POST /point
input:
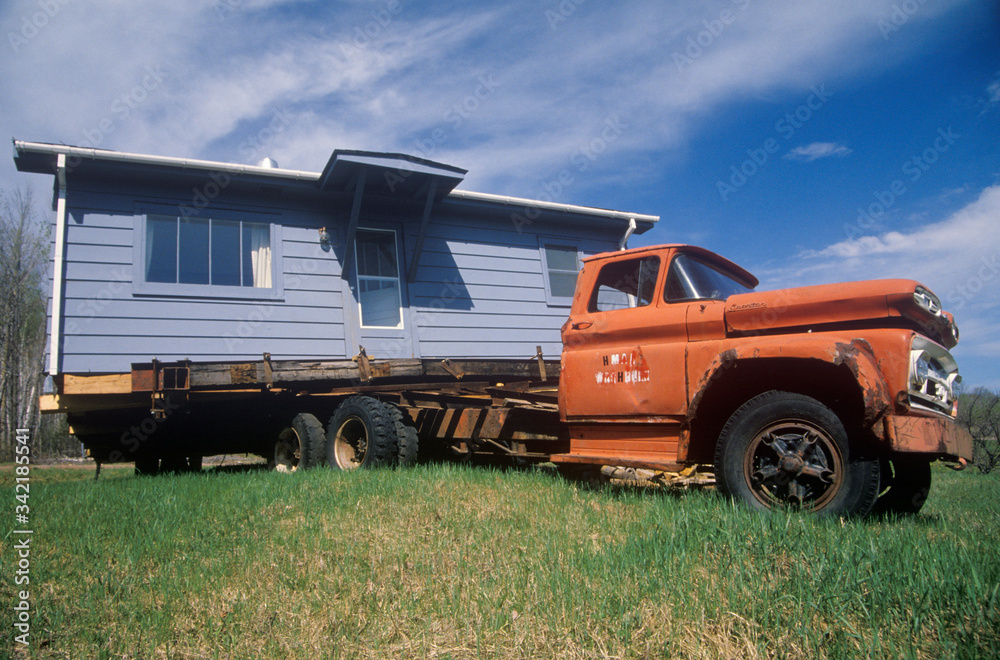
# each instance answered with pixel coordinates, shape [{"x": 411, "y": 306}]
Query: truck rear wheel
[
  {"x": 362, "y": 433},
  {"x": 785, "y": 449},
  {"x": 406, "y": 436},
  {"x": 299, "y": 446},
  {"x": 909, "y": 482}
]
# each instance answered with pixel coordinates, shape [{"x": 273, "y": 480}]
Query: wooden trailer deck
[{"x": 497, "y": 406}]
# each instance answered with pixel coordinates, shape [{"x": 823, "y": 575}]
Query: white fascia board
[
  {"x": 146, "y": 159},
  {"x": 551, "y": 206}
]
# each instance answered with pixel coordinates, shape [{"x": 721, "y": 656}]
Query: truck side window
[{"x": 625, "y": 284}]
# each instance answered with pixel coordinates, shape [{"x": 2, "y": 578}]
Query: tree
[
  {"x": 23, "y": 255},
  {"x": 979, "y": 414}
]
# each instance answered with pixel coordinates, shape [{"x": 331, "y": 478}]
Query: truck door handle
[{"x": 582, "y": 325}]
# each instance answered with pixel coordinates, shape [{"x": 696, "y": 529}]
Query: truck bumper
[{"x": 929, "y": 435}]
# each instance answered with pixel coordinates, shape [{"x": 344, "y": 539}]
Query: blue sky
[{"x": 808, "y": 141}]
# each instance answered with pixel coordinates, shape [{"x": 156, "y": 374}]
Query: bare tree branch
[{"x": 979, "y": 414}]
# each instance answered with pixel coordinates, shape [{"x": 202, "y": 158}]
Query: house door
[{"x": 380, "y": 296}]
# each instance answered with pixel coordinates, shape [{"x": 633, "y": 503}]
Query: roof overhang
[
  {"x": 399, "y": 175},
  {"x": 41, "y": 158},
  {"x": 389, "y": 174}
]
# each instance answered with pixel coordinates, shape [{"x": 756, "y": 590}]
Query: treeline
[
  {"x": 979, "y": 413},
  {"x": 24, "y": 252}
]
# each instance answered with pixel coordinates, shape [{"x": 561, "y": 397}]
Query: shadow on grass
[{"x": 237, "y": 468}]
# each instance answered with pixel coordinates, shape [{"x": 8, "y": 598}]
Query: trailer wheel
[
  {"x": 406, "y": 436},
  {"x": 785, "y": 449},
  {"x": 909, "y": 482},
  {"x": 362, "y": 433},
  {"x": 299, "y": 446}
]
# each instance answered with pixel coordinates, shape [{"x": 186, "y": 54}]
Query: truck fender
[{"x": 856, "y": 355}]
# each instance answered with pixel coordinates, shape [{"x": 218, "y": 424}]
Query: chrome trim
[{"x": 934, "y": 380}]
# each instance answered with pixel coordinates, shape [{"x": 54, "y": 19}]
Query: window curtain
[
  {"x": 149, "y": 248},
  {"x": 260, "y": 255}
]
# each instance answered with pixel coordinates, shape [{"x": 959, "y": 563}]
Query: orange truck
[{"x": 833, "y": 399}]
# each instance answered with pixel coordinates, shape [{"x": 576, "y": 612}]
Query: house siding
[
  {"x": 107, "y": 326},
  {"x": 479, "y": 290}
]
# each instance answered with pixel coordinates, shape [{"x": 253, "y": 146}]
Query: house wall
[{"x": 479, "y": 290}]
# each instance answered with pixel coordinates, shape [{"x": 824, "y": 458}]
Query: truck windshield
[{"x": 691, "y": 279}]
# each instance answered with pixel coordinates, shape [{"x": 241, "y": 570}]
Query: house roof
[
  {"x": 389, "y": 174},
  {"x": 385, "y": 173}
]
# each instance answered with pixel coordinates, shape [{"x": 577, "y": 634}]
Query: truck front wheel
[
  {"x": 786, "y": 449},
  {"x": 362, "y": 433}
]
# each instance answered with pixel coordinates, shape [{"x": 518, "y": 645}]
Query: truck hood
[{"x": 854, "y": 303}]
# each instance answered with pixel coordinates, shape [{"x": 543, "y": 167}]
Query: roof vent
[{"x": 268, "y": 162}]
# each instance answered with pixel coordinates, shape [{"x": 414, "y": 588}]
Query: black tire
[
  {"x": 362, "y": 434},
  {"x": 300, "y": 446},
  {"x": 406, "y": 436},
  {"x": 906, "y": 483},
  {"x": 784, "y": 449}
]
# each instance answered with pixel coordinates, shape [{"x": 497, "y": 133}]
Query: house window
[
  {"x": 379, "y": 291},
  {"x": 207, "y": 251},
  {"x": 561, "y": 264}
]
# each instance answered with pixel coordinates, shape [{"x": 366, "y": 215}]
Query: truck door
[{"x": 623, "y": 353}]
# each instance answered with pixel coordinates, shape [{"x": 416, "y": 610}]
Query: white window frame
[
  {"x": 140, "y": 287},
  {"x": 358, "y": 277},
  {"x": 544, "y": 242}
]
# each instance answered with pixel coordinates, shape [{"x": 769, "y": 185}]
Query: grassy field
[{"x": 443, "y": 561}]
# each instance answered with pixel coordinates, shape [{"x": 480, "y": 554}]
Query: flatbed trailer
[{"x": 178, "y": 412}]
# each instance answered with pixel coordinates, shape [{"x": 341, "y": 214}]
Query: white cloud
[
  {"x": 992, "y": 100},
  {"x": 816, "y": 150},
  {"x": 345, "y": 76}
]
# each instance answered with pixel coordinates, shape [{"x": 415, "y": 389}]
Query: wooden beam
[
  {"x": 352, "y": 228},
  {"x": 97, "y": 384},
  {"x": 411, "y": 274},
  {"x": 55, "y": 403}
]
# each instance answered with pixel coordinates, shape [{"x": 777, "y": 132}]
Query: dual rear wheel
[{"x": 363, "y": 432}]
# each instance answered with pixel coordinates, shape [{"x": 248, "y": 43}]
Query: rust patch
[
  {"x": 719, "y": 366},
  {"x": 242, "y": 374},
  {"x": 859, "y": 357},
  {"x": 931, "y": 435}
]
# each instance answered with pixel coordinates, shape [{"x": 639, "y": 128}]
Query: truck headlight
[
  {"x": 921, "y": 369},
  {"x": 934, "y": 379}
]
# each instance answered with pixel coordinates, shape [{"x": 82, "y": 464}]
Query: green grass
[{"x": 452, "y": 562}]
